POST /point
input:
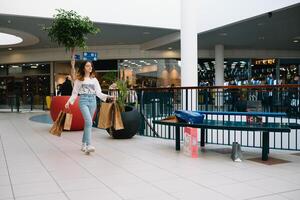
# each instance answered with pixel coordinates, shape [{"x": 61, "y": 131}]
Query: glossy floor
[{"x": 35, "y": 165}]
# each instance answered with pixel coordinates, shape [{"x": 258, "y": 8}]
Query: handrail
[{"x": 224, "y": 87}]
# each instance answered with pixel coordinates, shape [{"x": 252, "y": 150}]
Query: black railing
[
  {"x": 157, "y": 103},
  {"x": 17, "y": 103}
]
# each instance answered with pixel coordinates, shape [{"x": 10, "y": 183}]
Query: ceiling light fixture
[
  {"x": 170, "y": 48},
  {"x": 9, "y": 39},
  {"x": 295, "y": 41},
  {"x": 10, "y": 49}
]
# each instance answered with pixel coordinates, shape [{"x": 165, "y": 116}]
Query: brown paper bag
[
  {"x": 118, "y": 124},
  {"x": 68, "y": 121},
  {"x": 57, "y": 126},
  {"x": 105, "y": 117}
]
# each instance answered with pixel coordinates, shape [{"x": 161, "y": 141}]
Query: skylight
[{"x": 8, "y": 39}]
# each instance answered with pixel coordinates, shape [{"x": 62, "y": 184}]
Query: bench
[{"x": 265, "y": 127}]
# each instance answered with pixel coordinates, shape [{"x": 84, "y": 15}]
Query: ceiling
[
  {"x": 111, "y": 34},
  {"x": 274, "y": 31}
]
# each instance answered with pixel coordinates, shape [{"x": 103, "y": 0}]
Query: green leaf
[{"x": 69, "y": 29}]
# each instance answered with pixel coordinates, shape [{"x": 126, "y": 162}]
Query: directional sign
[{"x": 90, "y": 56}]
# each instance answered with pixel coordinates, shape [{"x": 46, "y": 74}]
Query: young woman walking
[{"x": 87, "y": 86}]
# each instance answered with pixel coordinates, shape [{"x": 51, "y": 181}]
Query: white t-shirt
[{"x": 88, "y": 86}]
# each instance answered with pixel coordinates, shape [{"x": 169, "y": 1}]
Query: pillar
[
  {"x": 189, "y": 52},
  {"x": 219, "y": 73}
]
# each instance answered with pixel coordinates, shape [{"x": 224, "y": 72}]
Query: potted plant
[
  {"x": 70, "y": 30},
  {"x": 129, "y": 114}
]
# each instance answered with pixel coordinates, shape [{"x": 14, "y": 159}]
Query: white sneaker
[
  {"x": 89, "y": 149},
  {"x": 83, "y": 147}
]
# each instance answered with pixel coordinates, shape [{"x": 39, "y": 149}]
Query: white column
[
  {"x": 219, "y": 73},
  {"x": 189, "y": 51},
  {"x": 219, "y": 68}
]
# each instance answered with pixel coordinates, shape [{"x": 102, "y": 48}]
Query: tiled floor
[{"x": 35, "y": 165}]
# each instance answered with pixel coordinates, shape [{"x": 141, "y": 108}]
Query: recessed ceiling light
[
  {"x": 10, "y": 49},
  {"x": 223, "y": 34},
  {"x": 295, "y": 41},
  {"x": 261, "y": 38},
  {"x": 9, "y": 21},
  {"x": 169, "y": 48}
]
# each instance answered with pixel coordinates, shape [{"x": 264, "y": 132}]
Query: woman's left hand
[{"x": 113, "y": 98}]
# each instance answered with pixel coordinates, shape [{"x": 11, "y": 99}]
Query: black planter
[{"x": 131, "y": 122}]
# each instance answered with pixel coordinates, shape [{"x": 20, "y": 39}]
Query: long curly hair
[{"x": 81, "y": 72}]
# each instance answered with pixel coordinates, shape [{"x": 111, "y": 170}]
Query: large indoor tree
[{"x": 70, "y": 30}]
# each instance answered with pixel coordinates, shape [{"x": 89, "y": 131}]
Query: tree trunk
[{"x": 73, "y": 71}]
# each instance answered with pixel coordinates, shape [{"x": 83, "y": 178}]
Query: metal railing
[
  {"x": 17, "y": 103},
  {"x": 158, "y": 103}
]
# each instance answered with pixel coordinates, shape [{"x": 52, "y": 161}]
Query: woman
[{"x": 88, "y": 87}]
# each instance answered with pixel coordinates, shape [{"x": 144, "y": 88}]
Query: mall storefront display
[
  {"x": 23, "y": 86},
  {"x": 141, "y": 73},
  {"x": 250, "y": 71}
]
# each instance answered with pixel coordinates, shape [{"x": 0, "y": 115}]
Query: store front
[
  {"x": 24, "y": 85},
  {"x": 151, "y": 72},
  {"x": 250, "y": 71}
]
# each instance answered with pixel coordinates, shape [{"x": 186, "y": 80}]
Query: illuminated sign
[
  {"x": 265, "y": 62},
  {"x": 91, "y": 56}
]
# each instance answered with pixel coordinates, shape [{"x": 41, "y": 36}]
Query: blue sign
[
  {"x": 90, "y": 56},
  {"x": 77, "y": 57}
]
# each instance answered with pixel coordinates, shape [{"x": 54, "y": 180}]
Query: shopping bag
[
  {"x": 57, "y": 126},
  {"x": 105, "y": 117},
  {"x": 254, "y": 105},
  {"x": 117, "y": 121},
  {"x": 236, "y": 154},
  {"x": 190, "y": 145},
  {"x": 68, "y": 121}
]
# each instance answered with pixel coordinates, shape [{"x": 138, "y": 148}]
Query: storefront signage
[
  {"x": 90, "y": 56},
  {"x": 265, "y": 62}
]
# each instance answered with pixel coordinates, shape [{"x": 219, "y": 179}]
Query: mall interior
[{"x": 208, "y": 56}]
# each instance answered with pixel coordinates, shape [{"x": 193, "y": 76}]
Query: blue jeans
[{"x": 87, "y": 105}]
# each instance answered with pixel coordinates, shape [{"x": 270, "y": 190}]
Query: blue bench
[{"x": 265, "y": 127}]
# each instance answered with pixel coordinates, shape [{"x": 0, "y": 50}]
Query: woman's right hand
[{"x": 67, "y": 106}]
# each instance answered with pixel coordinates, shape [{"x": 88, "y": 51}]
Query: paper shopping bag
[
  {"x": 118, "y": 124},
  {"x": 190, "y": 145},
  {"x": 57, "y": 126},
  {"x": 68, "y": 121},
  {"x": 105, "y": 117}
]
